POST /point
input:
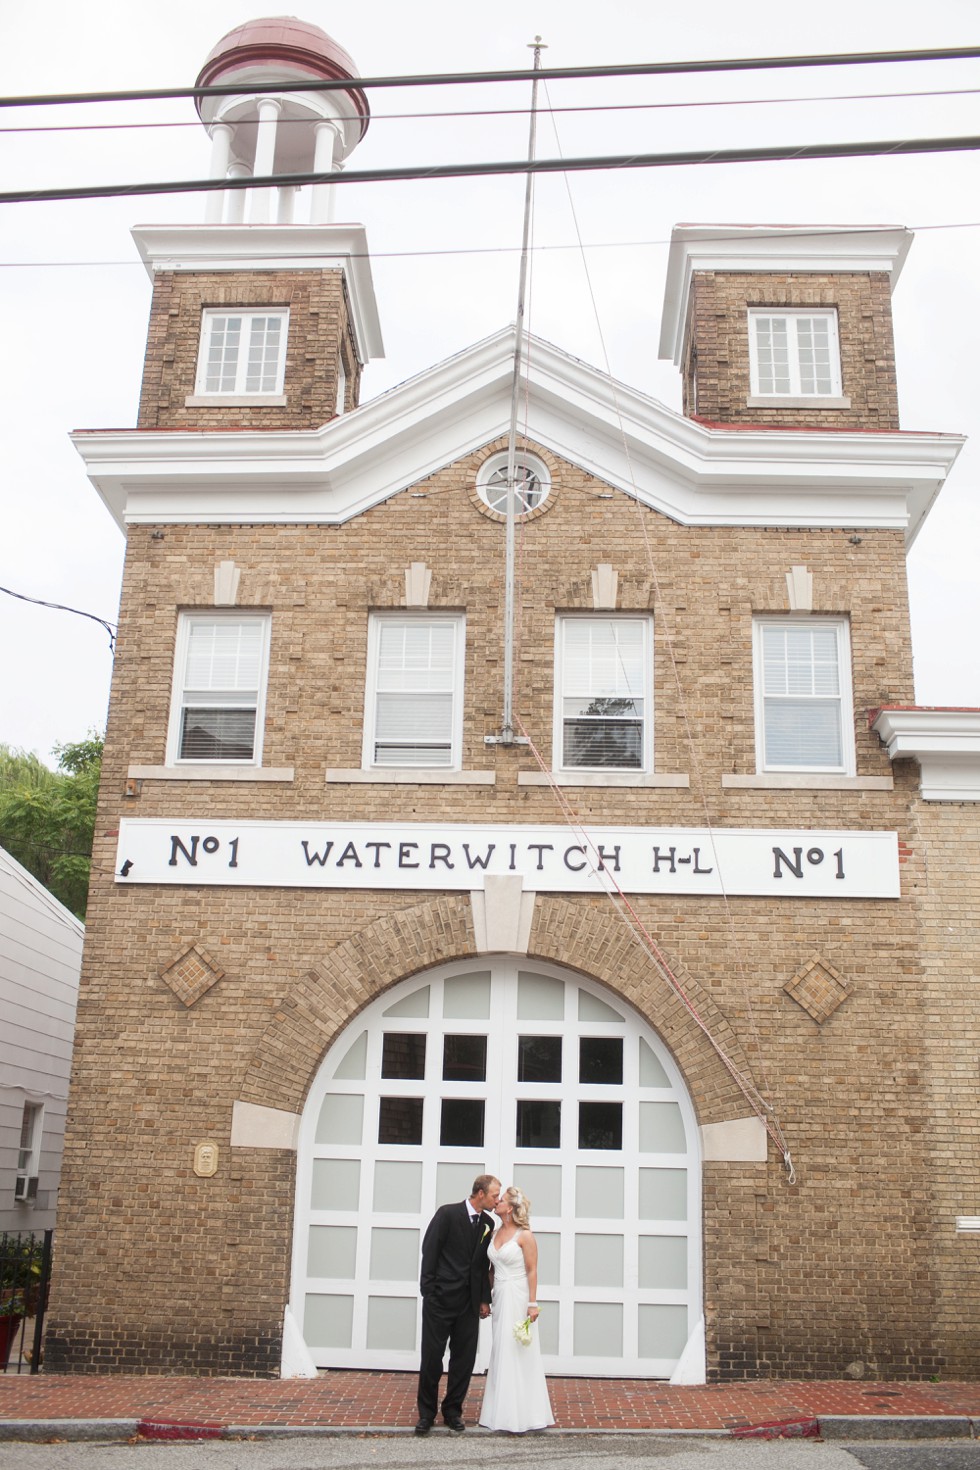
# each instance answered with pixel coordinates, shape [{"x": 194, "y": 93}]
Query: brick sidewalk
[{"x": 342, "y": 1399}]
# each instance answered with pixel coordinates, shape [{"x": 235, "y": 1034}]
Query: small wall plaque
[{"x": 206, "y": 1159}]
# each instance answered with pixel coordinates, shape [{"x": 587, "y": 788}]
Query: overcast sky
[{"x": 75, "y": 298}]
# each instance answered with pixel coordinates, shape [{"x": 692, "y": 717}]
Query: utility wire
[
  {"x": 791, "y": 153},
  {"x": 59, "y": 607},
  {"x": 561, "y": 73},
  {"x": 300, "y": 122}
]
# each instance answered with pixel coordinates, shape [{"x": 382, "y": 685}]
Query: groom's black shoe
[
  {"x": 454, "y": 1422},
  {"x": 423, "y": 1426}
]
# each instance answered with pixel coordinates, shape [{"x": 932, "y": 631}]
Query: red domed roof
[{"x": 297, "y": 47}]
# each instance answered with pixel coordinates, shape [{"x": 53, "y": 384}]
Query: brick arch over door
[{"x": 587, "y": 937}]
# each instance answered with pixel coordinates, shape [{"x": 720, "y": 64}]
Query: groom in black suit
[{"x": 455, "y": 1295}]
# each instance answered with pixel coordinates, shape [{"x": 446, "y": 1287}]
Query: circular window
[{"x": 532, "y": 484}]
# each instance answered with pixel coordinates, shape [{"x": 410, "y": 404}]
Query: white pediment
[{"x": 693, "y": 474}]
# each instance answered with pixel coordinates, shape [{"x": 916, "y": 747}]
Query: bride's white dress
[{"x": 516, "y": 1396}]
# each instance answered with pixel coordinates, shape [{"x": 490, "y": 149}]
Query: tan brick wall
[
  {"x": 319, "y": 331},
  {"x": 157, "y": 1269},
  {"x": 717, "y": 347}
]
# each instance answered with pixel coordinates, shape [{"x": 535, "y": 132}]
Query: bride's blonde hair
[{"x": 521, "y": 1206}]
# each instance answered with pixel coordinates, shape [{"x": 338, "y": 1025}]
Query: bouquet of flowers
[{"x": 522, "y": 1331}]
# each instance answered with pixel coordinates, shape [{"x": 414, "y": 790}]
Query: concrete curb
[
  {"x": 838, "y": 1427},
  {"x": 898, "y": 1426}
]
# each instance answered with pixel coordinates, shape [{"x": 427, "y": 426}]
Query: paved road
[{"x": 578, "y": 1452}]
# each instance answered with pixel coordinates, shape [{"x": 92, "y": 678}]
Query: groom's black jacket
[{"x": 454, "y": 1256}]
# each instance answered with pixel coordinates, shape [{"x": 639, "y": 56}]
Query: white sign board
[{"x": 784, "y": 862}]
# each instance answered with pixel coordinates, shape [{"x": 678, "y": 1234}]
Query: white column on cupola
[
  {"x": 220, "y": 159},
  {"x": 235, "y": 210},
  {"x": 327, "y": 148},
  {"x": 265, "y": 156}
]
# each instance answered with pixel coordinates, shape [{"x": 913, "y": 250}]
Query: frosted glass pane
[
  {"x": 663, "y": 1194},
  {"x": 332, "y": 1251},
  {"x": 416, "y": 1004},
  {"x": 395, "y": 1255},
  {"x": 598, "y": 1331},
  {"x": 547, "y": 1326},
  {"x": 467, "y": 996},
  {"x": 454, "y": 1181},
  {"x": 599, "y": 1193},
  {"x": 539, "y": 998},
  {"x": 328, "y": 1321},
  {"x": 652, "y": 1073},
  {"x": 341, "y": 1118},
  {"x": 662, "y": 1331},
  {"x": 591, "y": 1008},
  {"x": 354, "y": 1065},
  {"x": 661, "y": 1129},
  {"x": 549, "y": 1259},
  {"x": 542, "y": 1185},
  {"x": 598, "y": 1260},
  {"x": 336, "y": 1184},
  {"x": 663, "y": 1262},
  {"x": 397, "y": 1187},
  {"x": 391, "y": 1323}
]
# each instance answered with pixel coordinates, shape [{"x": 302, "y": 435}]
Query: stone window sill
[
  {"x": 210, "y": 773},
  {"x": 601, "y": 778},
  {"x": 410, "y": 776},
  {"x": 788, "y": 400},
  {"x": 235, "y": 400},
  {"x": 801, "y": 781}
]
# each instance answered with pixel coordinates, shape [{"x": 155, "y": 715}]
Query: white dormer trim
[
  {"x": 695, "y": 475},
  {"x": 273, "y": 248},
  {"x": 945, "y": 742},
  {"x": 765, "y": 249}
]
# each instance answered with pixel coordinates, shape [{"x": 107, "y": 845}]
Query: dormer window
[
  {"x": 243, "y": 353},
  {"x": 794, "y": 354}
]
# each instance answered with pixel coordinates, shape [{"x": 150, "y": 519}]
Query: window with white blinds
[
  {"x": 794, "y": 354},
  {"x": 219, "y": 689},
  {"x": 603, "y": 694},
  {"x": 803, "y": 695},
  {"x": 415, "y": 688},
  {"x": 242, "y": 352}
]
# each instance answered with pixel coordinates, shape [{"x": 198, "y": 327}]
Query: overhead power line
[
  {"x": 467, "y": 78},
  {"x": 791, "y": 153},
  {"x": 501, "y": 112}
]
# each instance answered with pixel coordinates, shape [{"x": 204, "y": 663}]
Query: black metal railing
[{"x": 25, "y": 1273}]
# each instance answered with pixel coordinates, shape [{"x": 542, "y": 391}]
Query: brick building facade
[{"x": 682, "y": 959}]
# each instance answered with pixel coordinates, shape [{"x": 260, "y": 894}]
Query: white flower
[
  {"x": 486, "y": 1232},
  {"x": 522, "y": 1331}
]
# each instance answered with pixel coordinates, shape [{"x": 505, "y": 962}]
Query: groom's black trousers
[{"x": 447, "y": 1318}]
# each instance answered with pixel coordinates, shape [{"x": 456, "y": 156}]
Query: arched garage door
[{"x": 550, "y": 1082}]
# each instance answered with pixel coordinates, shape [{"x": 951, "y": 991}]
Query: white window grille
[
  {"x": 603, "y": 694},
  {"x": 532, "y": 483},
  {"x": 415, "y": 687},
  {"x": 219, "y": 689},
  {"x": 29, "y": 1153},
  {"x": 243, "y": 353},
  {"x": 803, "y": 695},
  {"x": 794, "y": 354}
]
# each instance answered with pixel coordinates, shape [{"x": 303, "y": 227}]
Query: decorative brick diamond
[
  {"x": 192, "y": 975},
  {"x": 818, "y": 988}
]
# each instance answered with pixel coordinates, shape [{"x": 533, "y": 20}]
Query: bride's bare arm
[{"x": 529, "y": 1247}]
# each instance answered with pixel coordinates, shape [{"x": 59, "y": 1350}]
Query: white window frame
[
  {"x": 376, "y": 623},
  {"x": 491, "y": 482},
  {"x": 210, "y": 321},
  {"x": 183, "y": 697},
  {"x": 558, "y": 737},
  {"x": 793, "y": 317},
  {"x": 844, "y": 698}
]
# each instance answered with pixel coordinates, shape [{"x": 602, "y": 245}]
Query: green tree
[{"x": 47, "y": 818}]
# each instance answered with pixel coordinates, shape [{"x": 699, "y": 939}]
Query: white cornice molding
[
  {"x": 691, "y": 473},
  {"x": 945, "y": 742},
  {"x": 829, "y": 249},
  {"x": 273, "y": 248}
]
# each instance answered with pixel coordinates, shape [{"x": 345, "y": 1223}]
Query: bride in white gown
[{"x": 516, "y": 1396}]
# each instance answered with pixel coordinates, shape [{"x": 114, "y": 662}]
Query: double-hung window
[
  {"x": 415, "y": 691},
  {"x": 243, "y": 353},
  {"x": 794, "y": 354},
  {"x": 803, "y": 695},
  {"x": 603, "y": 704},
  {"x": 219, "y": 689}
]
